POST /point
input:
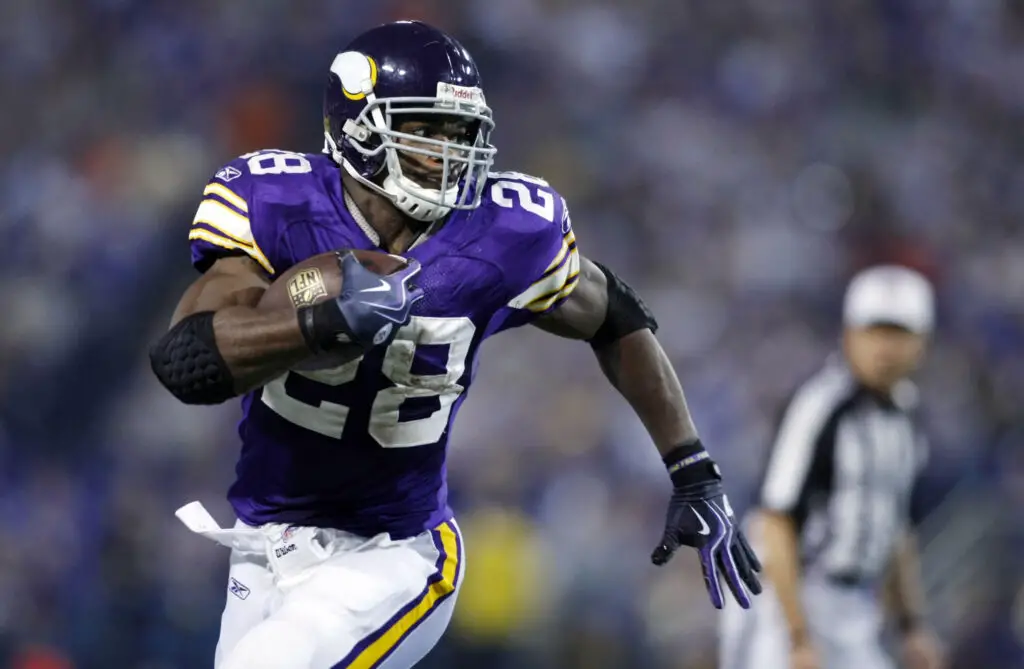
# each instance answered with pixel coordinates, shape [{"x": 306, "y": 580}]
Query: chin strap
[{"x": 408, "y": 196}]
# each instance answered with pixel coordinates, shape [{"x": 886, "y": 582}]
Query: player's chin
[
  {"x": 426, "y": 176},
  {"x": 423, "y": 177},
  {"x": 433, "y": 183}
]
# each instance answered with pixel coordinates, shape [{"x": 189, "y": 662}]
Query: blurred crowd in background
[{"x": 735, "y": 161}]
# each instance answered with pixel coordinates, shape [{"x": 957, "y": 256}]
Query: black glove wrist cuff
[
  {"x": 323, "y": 326},
  {"x": 690, "y": 464}
]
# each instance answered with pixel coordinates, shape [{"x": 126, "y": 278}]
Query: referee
[{"x": 832, "y": 524}]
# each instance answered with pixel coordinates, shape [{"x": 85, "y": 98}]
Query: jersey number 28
[
  {"x": 504, "y": 183},
  {"x": 406, "y": 387}
]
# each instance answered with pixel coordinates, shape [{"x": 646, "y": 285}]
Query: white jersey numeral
[
  {"x": 275, "y": 161},
  {"x": 526, "y": 198},
  {"x": 327, "y": 418},
  {"x": 385, "y": 426}
]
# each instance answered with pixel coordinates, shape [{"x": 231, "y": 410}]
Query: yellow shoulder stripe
[
  {"x": 545, "y": 302},
  {"x": 227, "y": 194},
  {"x": 217, "y": 238},
  {"x": 558, "y": 279}
]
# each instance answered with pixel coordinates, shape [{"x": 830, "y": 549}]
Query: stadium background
[{"x": 736, "y": 161}]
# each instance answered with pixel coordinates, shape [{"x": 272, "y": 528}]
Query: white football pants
[{"x": 313, "y": 598}]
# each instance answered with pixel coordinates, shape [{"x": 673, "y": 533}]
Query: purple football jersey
[{"x": 362, "y": 447}]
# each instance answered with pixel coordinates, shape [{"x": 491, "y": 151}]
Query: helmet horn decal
[{"x": 357, "y": 73}]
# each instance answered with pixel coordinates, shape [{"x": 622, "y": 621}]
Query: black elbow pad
[
  {"x": 627, "y": 313},
  {"x": 187, "y": 362}
]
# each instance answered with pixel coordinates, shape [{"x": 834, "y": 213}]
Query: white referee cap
[{"x": 890, "y": 295}]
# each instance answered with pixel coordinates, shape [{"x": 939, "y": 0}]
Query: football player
[{"x": 346, "y": 553}]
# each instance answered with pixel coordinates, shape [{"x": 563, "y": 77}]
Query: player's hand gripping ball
[{"x": 317, "y": 279}]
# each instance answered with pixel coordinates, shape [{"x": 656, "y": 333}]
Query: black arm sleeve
[
  {"x": 626, "y": 312},
  {"x": 187, "y": 362}
]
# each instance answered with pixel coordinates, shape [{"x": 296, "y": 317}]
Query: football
[{"x": 319, "y": 278}]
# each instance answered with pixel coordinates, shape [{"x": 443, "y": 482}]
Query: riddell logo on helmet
[{"x": 456, "y": 93}]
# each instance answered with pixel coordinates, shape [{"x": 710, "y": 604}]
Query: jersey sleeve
[
  {"x": 797, "y": 452},
  {"x": 544, "y": 269},
  {"x": 227, "y": 222}
]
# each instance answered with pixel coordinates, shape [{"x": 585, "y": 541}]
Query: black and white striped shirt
[{"x": 843, "y": 464}]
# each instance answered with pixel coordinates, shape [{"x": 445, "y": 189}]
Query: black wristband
[
  {"x": 690, "y": 464},
  {"x": 323, "y": 326}
]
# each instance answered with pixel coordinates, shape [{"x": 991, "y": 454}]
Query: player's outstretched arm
[
  {"x": 219, "y": 345},
  {"x": 607, "y": 313},
  {"x": 621, "y": 330}
]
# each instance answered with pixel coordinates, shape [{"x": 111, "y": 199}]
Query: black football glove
[
  {"x": 369, "y": 310},
  {"x": 699, "y": 516}
]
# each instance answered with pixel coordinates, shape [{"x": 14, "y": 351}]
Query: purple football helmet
[{"x": 401, "y": 71}]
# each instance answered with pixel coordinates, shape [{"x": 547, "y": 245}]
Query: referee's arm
[
  {"x": 905, "y": 593},
  {"x": 904, "y": 590},
  {"x": 785, "y": 483}
]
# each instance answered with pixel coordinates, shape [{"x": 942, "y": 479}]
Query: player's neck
[{"x": 397, "y": 231}]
